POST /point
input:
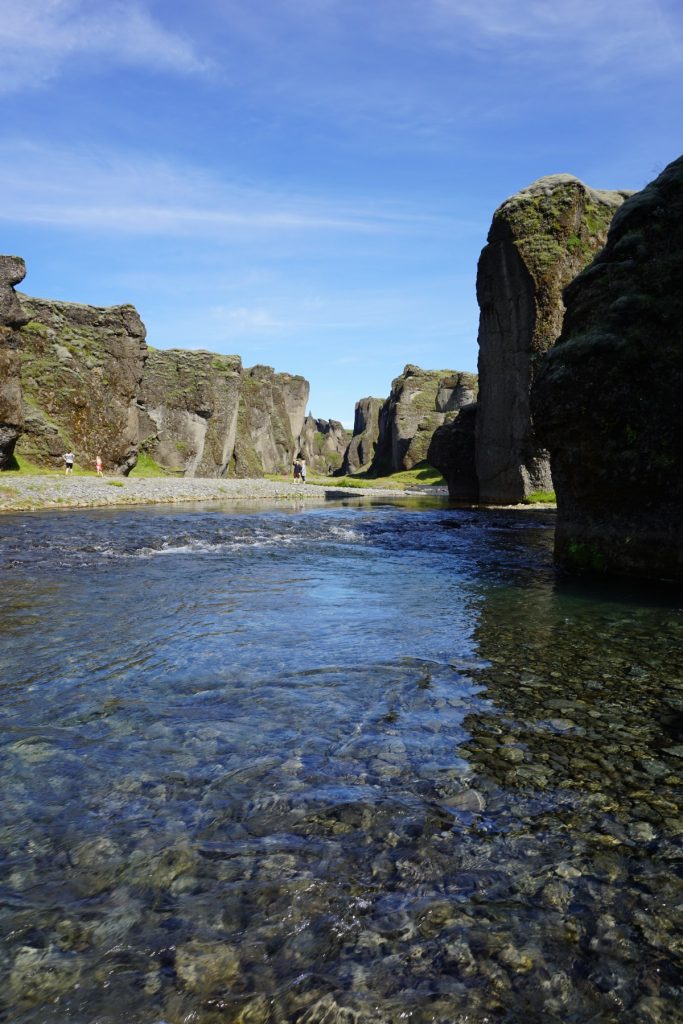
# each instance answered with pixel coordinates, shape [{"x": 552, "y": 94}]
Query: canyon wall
[
  {"x": 270, "y": 420},
  {"x": 607, "y": 399},
  {"x": 540, "y": 239},
  {"x": 12, "y": 317},
  {"x": 323, "y": 444},
  {"x": 361, "y": 448},
  {"x": 81, "y": 369}
]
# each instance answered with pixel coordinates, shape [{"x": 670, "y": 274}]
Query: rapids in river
[{"x": 363, "y": 763}]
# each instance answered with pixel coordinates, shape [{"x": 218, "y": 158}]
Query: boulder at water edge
[
  {"x": 12, "y": 316},
  {"x": 540, "y": 239},
  {"x": 607, "y": 400}
]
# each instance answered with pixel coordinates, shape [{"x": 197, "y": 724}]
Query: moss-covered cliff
[
  {"x": 270, "y": 418},
  {"x": 12, "y": 316},
  {"x": 323, "y": 443},
  {"x": 188, "y": 415},
  {"x": 420, "y": 401},
  {"x": 607, "y": 400},
  {"x": 540, "y": 239},
  {"x": 81, "y": 368}
]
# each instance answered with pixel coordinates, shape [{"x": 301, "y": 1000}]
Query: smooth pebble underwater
[{"x": 354, "y": 764}]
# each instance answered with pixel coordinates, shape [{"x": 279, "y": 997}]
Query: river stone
[
  {"x": 12, "y": 316},
  {"x": 206, "y": 967},
  {"x": 540, "y": 239},
  {"x": 607, "y": 401}
]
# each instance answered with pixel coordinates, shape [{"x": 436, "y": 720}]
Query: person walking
[
  {"x": 303, "y": 471},
  {"x": 68, "y": 462},
  {"x": 297, "y": 469},
  {"x": 99, "y": 465}
]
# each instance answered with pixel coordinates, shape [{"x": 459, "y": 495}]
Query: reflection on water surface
[{"x": 360, "y": 764}]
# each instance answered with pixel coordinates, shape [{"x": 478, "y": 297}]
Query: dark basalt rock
[
  {"x": 451, "y": 451},
  {"x": 270, "y": 419},
  {"x": 12, "y": 316},
  {"x": 540, "y": 239},
  {"x": 607, "y": 399},
  {"x": 363, "y": 444}
]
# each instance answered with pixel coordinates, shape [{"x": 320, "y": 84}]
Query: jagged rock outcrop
[
  {"x": 81, "y": 368},
  {"x": 420, "y": 401},
  {"x": 270, "y": 419},
  {"x": 188, "y": 410},
  {"x": 12, "y": 316},
  {"x": 540, "y": 239},
  {"x": 361, "y": 448},
  {"x": 607, "y": 400},
  {"x": 451, "y": 451},
  {"x": 323, "y": 443}
]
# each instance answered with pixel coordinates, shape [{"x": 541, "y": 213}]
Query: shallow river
[{"x": 345, "y": 765}]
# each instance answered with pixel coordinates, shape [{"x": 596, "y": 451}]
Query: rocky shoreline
[{"x": 30, "y": 493}]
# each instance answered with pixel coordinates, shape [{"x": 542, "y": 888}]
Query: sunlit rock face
[
  {"x": 12, "y": 316},
  {"x": 81, "y": 368},
  {"x": 363, "y": 444},
  {"x": 540, "y": 239},
  {"x": 189, "y": 406},
  {"x": 270, "y": 420},
  {"x": 607, "y": 400},
  {"x": 420, "y": 401},
  {"x": 323, "y": 444}
]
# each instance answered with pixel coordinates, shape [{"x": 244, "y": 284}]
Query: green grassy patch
[
  {"x": 422, "y": 474},
  {"x": 146, "y": 466},
  {"x": 541, "y": 498},
  {"x": 18, "y": 464},
  {"x": 115, "y": 483}
]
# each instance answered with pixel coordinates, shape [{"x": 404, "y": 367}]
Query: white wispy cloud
[
  {"x": 100, "y": 190},
  {"x": 39, "y": 37}
]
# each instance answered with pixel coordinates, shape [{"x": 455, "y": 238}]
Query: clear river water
[{"x": 347, "y": 764}]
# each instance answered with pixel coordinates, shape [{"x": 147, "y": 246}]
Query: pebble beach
[{"x": 30, "y": 493}]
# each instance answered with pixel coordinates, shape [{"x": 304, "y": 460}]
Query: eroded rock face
[
  {"x": 607, "y": 401},
  {"x": 540, "y": 239},
  {"x": 188, "y": 416},
  {"x": 81, "y": 368},
  {"x": 323, "y": 443},
  {"x": 420, "y": 401},
  {"x": 12, "y": 316},
  {"x": 270, "y": 419},
  {"x": 361, "y": 448},
  {"x": 451, "y": 451}
]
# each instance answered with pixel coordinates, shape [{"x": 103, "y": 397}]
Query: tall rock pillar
[
  {"x": 540, "y": 239},
  {"x": 12, "y": 316}
]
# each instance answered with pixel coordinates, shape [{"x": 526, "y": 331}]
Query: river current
[{"x": 350, "y": 764}]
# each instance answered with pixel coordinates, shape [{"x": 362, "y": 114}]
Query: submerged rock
[
  {"x": 12, "y": 316},
  {"x": 607, "y": 401},
  {"x": 540, "y": 239}
]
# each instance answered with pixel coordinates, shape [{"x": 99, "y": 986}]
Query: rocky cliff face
[
  {"x": 81, "y": 369},
  {"x": 323, "y": 444},
  {"x": 420, "y": 401},
  {"x": 540, "y": 239},
  {"x": 451, "y": 451},
  {"x": 12, "y": 316},
  {"x": 361, "y": 448},
  {"x": 607, "y": 401},
  {"x": 270, "y": 419},
  {"x": 188, "y": 410}
]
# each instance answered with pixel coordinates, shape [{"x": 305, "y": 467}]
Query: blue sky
[{"x": 309, "y": 183}]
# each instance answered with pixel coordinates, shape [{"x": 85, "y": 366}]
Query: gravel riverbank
[{"x": 27, "y": 493}]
